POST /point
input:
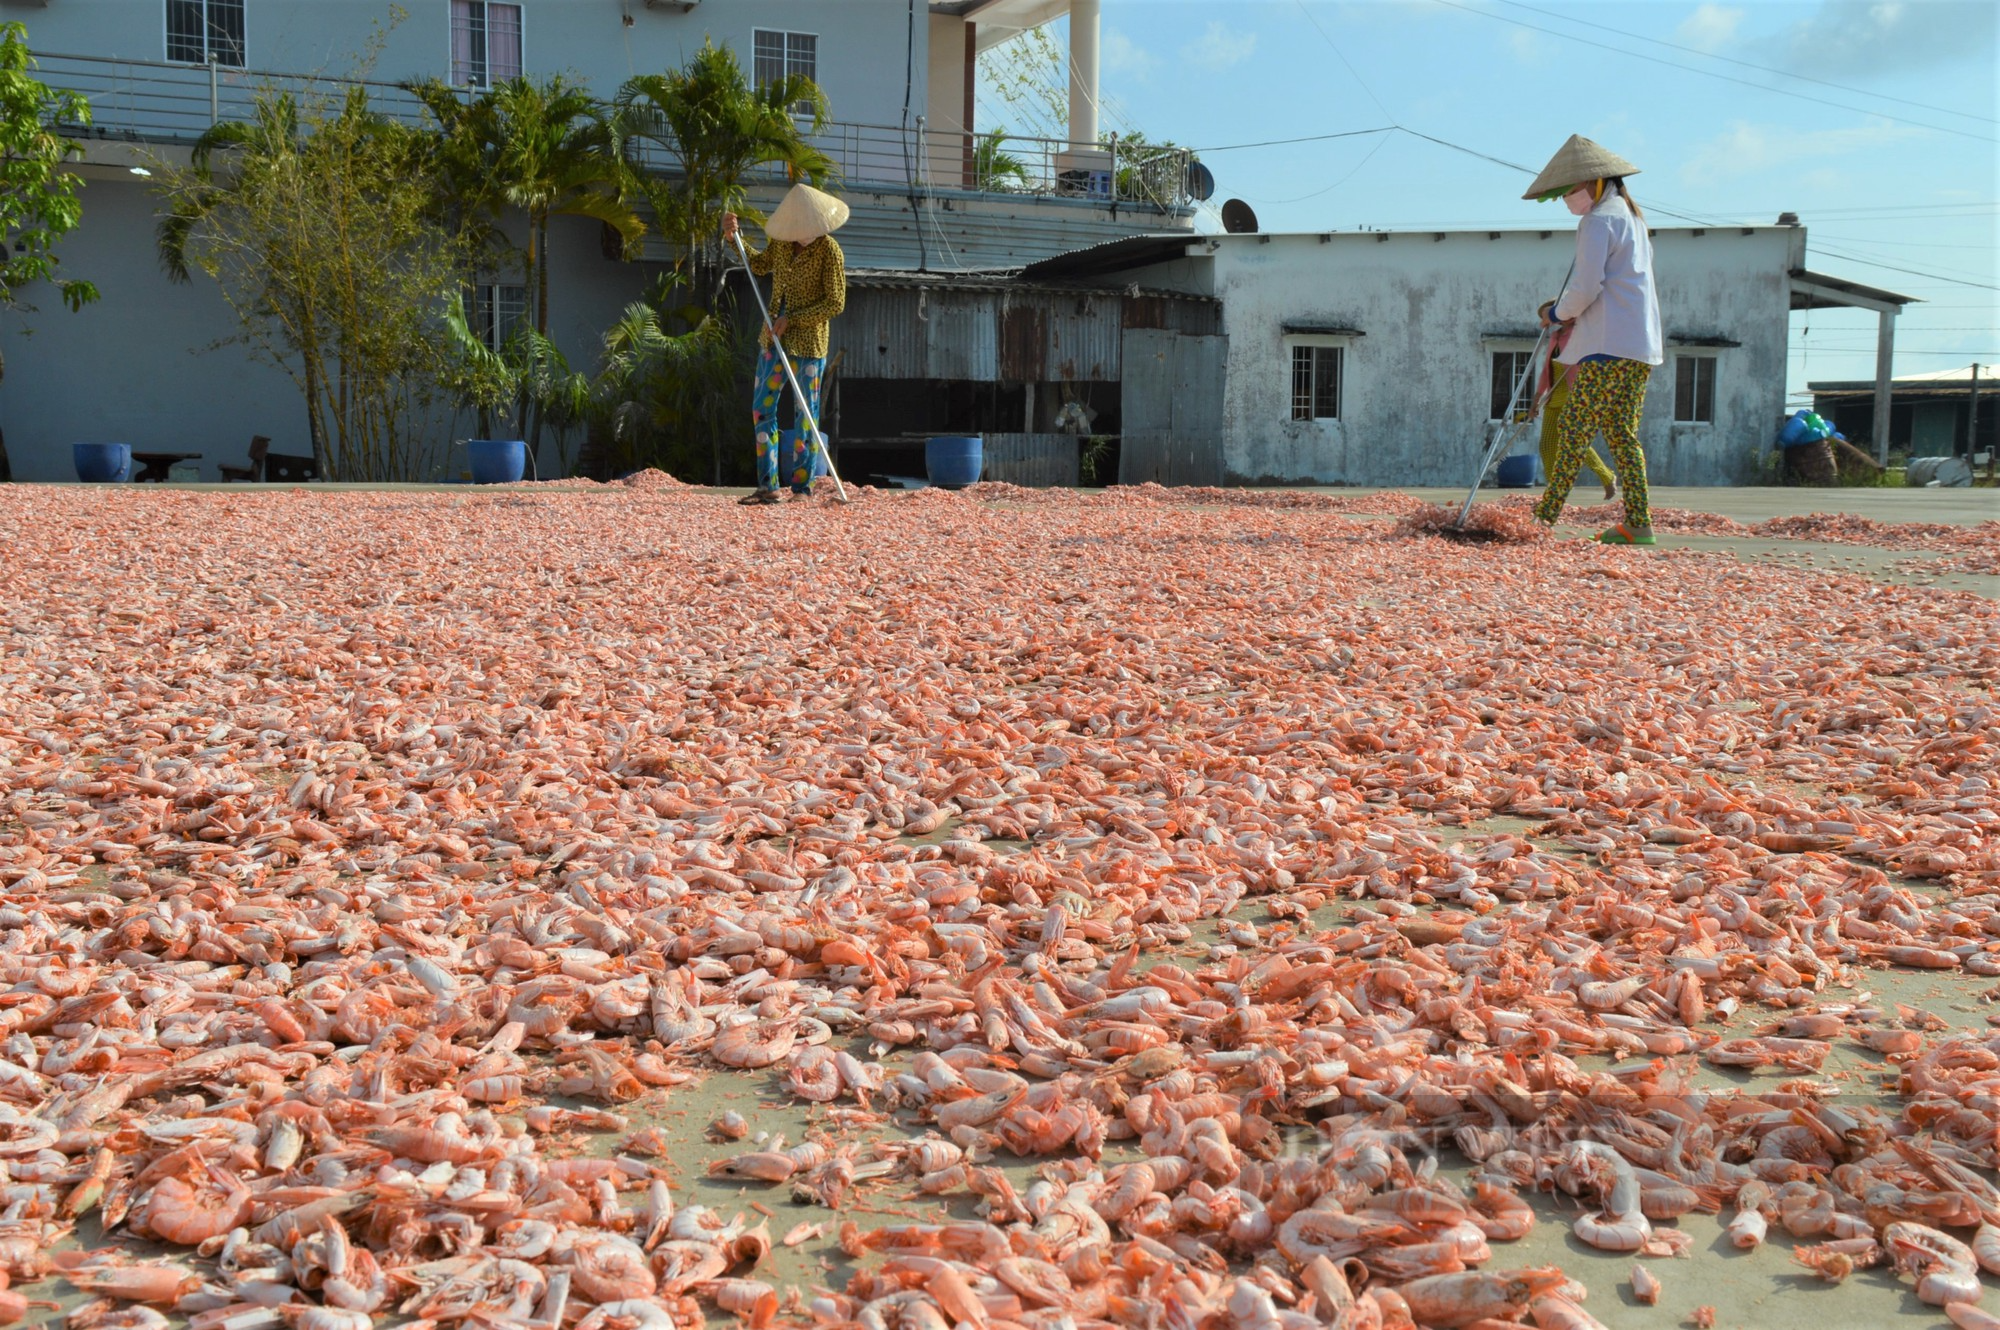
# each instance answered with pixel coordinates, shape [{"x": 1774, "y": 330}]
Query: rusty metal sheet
[
  {"x": 1023, "y": 339},
  {"x": 1084, "y": 337},
  {"x": 881, "y": 336},
  {"x": 1032, "y": 459},
  {"x": 962, "y": 334}
]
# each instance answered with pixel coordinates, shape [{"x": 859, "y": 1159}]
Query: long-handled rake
[
  {"x": 1522, "y": 407},
  {"x": 798, "y": 393}
]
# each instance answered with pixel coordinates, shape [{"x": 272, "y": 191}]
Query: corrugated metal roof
[{"x": 1113, "y": 256}]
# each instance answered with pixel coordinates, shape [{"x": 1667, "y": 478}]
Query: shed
[
  {"x": 1042, "y": 370},
  {"x": 1947, "y": 413}
]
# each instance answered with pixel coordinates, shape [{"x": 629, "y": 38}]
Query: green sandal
[
  {"x": 1622, "y": 535},
  {"x": 758, "y": 498}
]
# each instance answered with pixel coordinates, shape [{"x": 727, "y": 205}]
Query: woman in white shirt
[{"x": 1615, "y": 339}]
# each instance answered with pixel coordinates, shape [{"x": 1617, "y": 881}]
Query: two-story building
[{"x": 150, "y": 364}]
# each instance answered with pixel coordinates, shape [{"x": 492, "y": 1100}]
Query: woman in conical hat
[
  {"x": 808, "y": 287},
  {"x": 1612, "y": 314}
]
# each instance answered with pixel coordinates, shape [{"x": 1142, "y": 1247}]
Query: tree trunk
[{"x": 538, "y": 246}]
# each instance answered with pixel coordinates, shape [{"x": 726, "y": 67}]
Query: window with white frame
[
  {"x": 1316, "y": 373},
  {"x": 1694, "y": 390},
  {"x": 199, "y": 29},
  {"x": 1508, "y": 367},
  {"x": 485, "y": 43},
  {"x": 498, "y": 312},
  {"x": 776, "y": 55}
]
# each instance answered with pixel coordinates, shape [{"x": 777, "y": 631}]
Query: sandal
[
  {"x": 758, "y": 498},
  {"x": 1623, "y": 535}
]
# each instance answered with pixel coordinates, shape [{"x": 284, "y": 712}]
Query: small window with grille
[
  {"x": 485, "y": 43},
  {"x": 1508, "y": 367},
  {"x": 1694, "y": 390},
  {"x": 498, "y": 312},
  {"x": 776, "y": 55},
  {"x": 1316, "y": 374},
  {"x": 200, "y": 29}
]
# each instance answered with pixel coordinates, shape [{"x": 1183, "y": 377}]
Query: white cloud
[
  {"x": 1220, "y": 48},
  {"x": 1530, "y": 48},
  {"x": 1711, "y": 27},
  {"x": 1120, "y": 55},
  {"x": 1746, "y": 149},
  {"x": 1882, "y": 36}
]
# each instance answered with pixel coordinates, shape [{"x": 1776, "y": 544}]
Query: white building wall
[
  {"x": 1431, "y": 309},
  {"x": 862, "y": 47},
  {"x": 155, "y": 364}
]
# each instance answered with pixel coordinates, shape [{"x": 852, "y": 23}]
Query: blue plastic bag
[{"x": 1803, "y": 428}]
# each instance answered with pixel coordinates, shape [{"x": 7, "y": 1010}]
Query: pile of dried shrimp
[{"x": 371, "y": 861}]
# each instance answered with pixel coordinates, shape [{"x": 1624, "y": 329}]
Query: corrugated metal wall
[
  {"x": 1004, "y": 335},
  {"x": 1032, "y": 459},
  {"x": 1084, "y": 336}
]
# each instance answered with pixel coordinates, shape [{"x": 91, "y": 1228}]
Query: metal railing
[{"x": 151, "y": 101}]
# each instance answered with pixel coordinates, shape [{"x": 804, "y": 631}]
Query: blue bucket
[
  {"x": 953, "y": 462},
  {"x": 791, "y": 441},
  {"x": 102, "y": 463},
  {"x": 497, "y": 461},
  {"x": 1517, "y": 472}
]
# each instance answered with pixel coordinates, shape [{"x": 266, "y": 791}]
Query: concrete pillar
[
  {"x": 971, "y": 99},
  {"x": 1083, "y": 94},
  {"x": 1885, "y": 355}
]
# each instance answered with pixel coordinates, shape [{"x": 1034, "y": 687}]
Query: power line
[
  {"x": 1708, "y": 73},
  {"x": 1344, "y": 60},
  {"x": 1745, "y": 64},
  {"x": 1310, "y": 138}
]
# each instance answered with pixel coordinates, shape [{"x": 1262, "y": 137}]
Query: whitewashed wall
[
  {"x": 1432, "y": 307},
  {"x": 861, "y": 48}
]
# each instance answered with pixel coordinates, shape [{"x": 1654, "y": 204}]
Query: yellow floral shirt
[{"x": 809, "y": 287}]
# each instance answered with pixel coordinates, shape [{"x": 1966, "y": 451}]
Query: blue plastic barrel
[
  {"x": 953, "y": 462},
  {"x": 1517, "y": 472},
  {"x": 497, "y": 461},
  {"x": 102, "y": 463}
]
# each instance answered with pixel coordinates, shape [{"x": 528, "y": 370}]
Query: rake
[{"x": 1522, "y": 408}]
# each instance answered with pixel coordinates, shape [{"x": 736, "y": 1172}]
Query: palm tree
[
  {"x": 544, "y": 148},
  {"x": 992, "y": 167},
  {"x": 717, "y": 133}
]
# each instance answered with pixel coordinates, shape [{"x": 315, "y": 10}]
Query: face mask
[{"x": 1578, "y": 200}]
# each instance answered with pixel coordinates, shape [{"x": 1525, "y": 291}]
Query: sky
[{"x": 1876, "y": 121}]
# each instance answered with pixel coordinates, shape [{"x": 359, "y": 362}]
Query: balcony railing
[{"x": 157, "y": 102}]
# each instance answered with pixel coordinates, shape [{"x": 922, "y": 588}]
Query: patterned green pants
[{"x": 1607, "y": 396}]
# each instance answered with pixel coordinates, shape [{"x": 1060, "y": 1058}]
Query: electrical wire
[
  {"x": 1377, "y": 147},
  {"x": 1344, "y": 60},
  {"x": 1709, "y": 73},
  {"x": 1745, "y": 64}
]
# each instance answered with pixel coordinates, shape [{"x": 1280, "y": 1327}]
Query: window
[
  {"x": 1508, "y": 367},
  {"x": 198, "y": 29},
  {"x": 1316, "y": 382},
  {"x": 498, "y": 312},
  {"x": 777, "y": 54},
  {"x": 485, "y": 43},
  {"x": 1694, "y": 390}
]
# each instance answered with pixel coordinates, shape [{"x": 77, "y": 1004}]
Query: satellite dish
[
  {"x": 1200, "y": 182},
  {"x": 1237, "y": 219}
]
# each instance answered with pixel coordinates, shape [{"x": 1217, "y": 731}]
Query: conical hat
[
  {"x": 805, "y": 216},
  {"x": 1577, "y": 161}
]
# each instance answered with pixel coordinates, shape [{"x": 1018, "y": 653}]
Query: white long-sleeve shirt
[{"x": 1611, "y": 295}]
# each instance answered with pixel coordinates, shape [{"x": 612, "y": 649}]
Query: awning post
[{"x": 1885, "y": 355}]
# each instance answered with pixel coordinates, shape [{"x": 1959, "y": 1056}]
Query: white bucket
[{"x": 184, "y": 473}]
